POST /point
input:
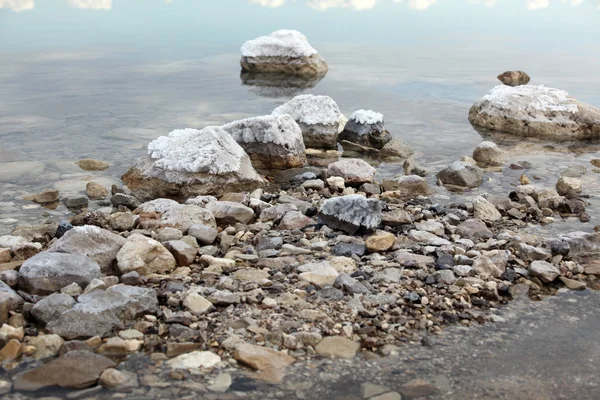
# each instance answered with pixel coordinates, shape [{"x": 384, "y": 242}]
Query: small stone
[
  {"x": 270, "y": 364},
  {"x": 46, "y": 346},
  {"x": 568, "y": 187},
  {"x": 573, "y": 284},
  {"x": 204, "y": 234},
  {"x": 544, "y": 270},
  {"x": 10, "y": 351},
  {"x": 221, "y": 384},
  {"x": 337, "y": 346},
  {"x": 380, "y": 241},
  {"x": 484, "y": 210},
  {"x": 118, "y": 380},
  {"x": 89, "y": 164},
  {"x": 354, "y": 171},
  {"x": 195, "y": 360},
  {"x": 46, "y": 197},
  {"x": 417, "y": 388},
  {"x": 145, "y": 256},
  {"x": 197, "y": 304},
  {"x": 489, "y": 154},
  {"x": 96, "y": 191},
  {"x": 461, "y": 174}
]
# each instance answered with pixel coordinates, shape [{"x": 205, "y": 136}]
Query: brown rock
[
  {"x": 96, "y": 191},
  {"x": 89, "y": 164},
  {"x": 337, "y": 346},
  {"x": 47, "y": 196},
  {"x": 269, "y": 363},
  {"x": 514, "y": 78},
  {"x": 380, "y": 241},
  {"x": 176, "y": 349},
  {"x": 5, "y": 256},
  {"x": 10, "y": 351},
  {"x": 417, "y": 388},
  {"x": 77, "y": 369}
]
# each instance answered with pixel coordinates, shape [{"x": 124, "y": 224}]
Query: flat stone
[
  {"x": 338, "y": 347},
  {"x": 354, "y": 171},
  {"x": 270, "y": 364},
  {"x": 544, "y": 270},
  {"x": 195, "y": 360},
  {"x": 350, "y": 213},
  {"x": 89, "y": 164},
  {"x": 417, "y": 388}
]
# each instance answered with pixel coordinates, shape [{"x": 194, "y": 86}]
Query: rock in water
[
  {"x": 489, "y": 154},
  {"x": 350, "y": 213},
  {"x": 407, "y": 186},
  {"x": 269, "y": 363},
  {"x": 77, "y": 369},
  {"x": 354, "y": 171},
  {"x": 48, "y": 272},
  {"x": 284, "y": 52},
  {"x": 396, "y": 148},
  {"x": 98, "y": 244},
  {"x": 461, "y": 174},
  {"x": 318, "y": 118},
  {"x": 191, "y": 162},
  {"x": 514, "y": 78},
  {"x": 272, "y": 142},
  {"x": 365, "y": 127},
  {"x": 568, "y": 187},
  {"x": 89, "y": 164},
  {"x": 536, "y": 111}
]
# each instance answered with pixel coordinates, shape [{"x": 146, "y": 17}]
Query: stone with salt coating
[
  {"x": 350, "y": 213},
  {"x": 191, "y": 162},
  {"x": 282, "y": 52},
  {"x": 318, "y": 117},
  {"x": 366, "y": 128},
  {"x": 536, "y": 111},
  {"x": 272, "y": 142}
]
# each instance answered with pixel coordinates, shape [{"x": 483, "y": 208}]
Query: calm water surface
[{"x": 101, "y": 78}]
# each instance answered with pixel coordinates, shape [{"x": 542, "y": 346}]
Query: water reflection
[{"x": 275, "y": 86}]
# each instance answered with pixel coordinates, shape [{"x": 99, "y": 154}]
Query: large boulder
[
  {"x": 191, "y": 162},
  {"x": 318, "y": 117},
  {"x": 9, "y": 301},
  {"x": 100, "y": 312},
  {"x": 282, "y": 52},
  {"x": 166, "y": 213},
  {"x": 366, "y": 128},
  {"x": 536, "y": 111},
  {"x": 272, "y": 142},
  {"x": 48, "y": 272},
  {"x": 145, "y": 256},
  {"x": 354, "y": 171},
  {"x": 461, "y": 174},
  {"x": 350, "y": 213},
  {"x": 98, "y": 244}
]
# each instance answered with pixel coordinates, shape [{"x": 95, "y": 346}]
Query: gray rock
[
  {"x": 349, "y": 285},
  {"x": 184, "y": 253},
  {"x": 484, "y": 210},
  {"x": 9, "y": 301},
  {"x": 568, "y": 187},
  {"x": 474, "y": 229},
  {"x": 396, "y": 148},
  {"x": 407, "y": 186},
  {"x": 584, "y": 247},
  {"x": 365, "y": 133},
  {"x": 230, "y": 213},
  {"x": 354, "y": 171},
  {"x": 122, "y": 199},
  {"x": 75, "y": 202},
  {"x": 489, "y": 154},
  {"x": 223, "y": 298},
  {"x": 49, "y": 272},
  {"x": 350, "y": 213},
  {"x": 461, "y": 174},
  {"x": 204, "y": 234},
  {"x": 99, "y": 244},
  {"x": 52, "y": 307},
  {"x": 544, "y": 270}
]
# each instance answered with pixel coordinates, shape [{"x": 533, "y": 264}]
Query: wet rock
[
  {"x": 537, "y": 111},
  {"x": 380, "y": 241},
  {"x": 52, "y": 307},
  {"x": 484, "y": 210},
  {"x": 318, "y": 118},
  {"x": 48, "y": 272},
  {"x": 568, "y": 187},
  {"x": 572, "y": 284},
  {"x": 102, "y": 311},
  {"x": 77, "y": 369},
  {"x": 144, "y": 256},
  {"x": 98, "y": 244},
  {"x": 75, "y": 202},
  {"x": 270, "y": 364},
  {"x": 583, "y": 247},
  {"x": 461, "y": 174},
  {"x": 514, "y": 78},
  {"x": 366, "y": 128},
  {"x": 396, "y": 148},
  {"x": 489, "y": 154},
  {"x": 194, "y": 360},
  {"x": 47, "y": 196},
  {"x": 285, "y": 52},
  {"x": 350, "y": 213},
  {"x": 417, "y": 388},
  {"x": 221, "y": 384},
  {"x": 63, "y": 227},
  {"x": 216, "y": 165},
  {"x": 272, "y": 142},
  {"x": 126, "y": 200},
  {"x": 354, "y": 171},
  {"x": 338, "y": 347},
  {"x": 115, "y": 379},
  {"x": 96, "y": 191},
  {"x": 544, "y": 270},
  {"x": 89, "y": 164},
  {"x": 230, "y": 213},
  {"x": 406, "y": 186}
]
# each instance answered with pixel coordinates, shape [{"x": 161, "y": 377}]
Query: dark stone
[
  {"x": 444, "y": 261},
  {"x": 349, "y": 249},
  {"x": 182, "y": 333},
  {"x": 75, "y": 202},
  {"x": 330, "y": 293},
  {"x": 412, "y": 297},
  {"x": 509, "y": 275},
  {"x": 122, "y": 199},
  {"x": 63, "y": 227}
]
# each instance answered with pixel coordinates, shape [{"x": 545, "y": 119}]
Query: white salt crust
[
  {"x": 311, "y": 110},
  {"x": 367, "y": 117},
  {"x": 282, "y": 43}
]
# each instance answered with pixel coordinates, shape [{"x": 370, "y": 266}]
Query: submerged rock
[
  {"x": 283, "y": 51},
  {"x": 514, "y": 78},
  {"x": 350, "y": 213},
  {"x": 461, "y": 174},
  {"x": 366, "y": 128},
  {"x": 318, "y": 118},
  {"x": 272, "y": 142},
  {"x": 191, "y": 162},
  {"x": 278, "y": 85},
  {"x": 536, "y": 111},
  {"x": 89, "y": 164}
]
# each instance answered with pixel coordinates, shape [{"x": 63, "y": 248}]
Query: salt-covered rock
[
  {"x": 489, "y": 154},
  {"x": 406, "y": 186},
  {"x": 49, "y": 272},
  {"x": 350, "y": 213},
  {"x": 366, "y": 128},
  {"x": 461, "y": 174},
  {"x": 514, "y": 78},
  {"x": 354, "y": 171},
  {"x": 98, "y": 244},
  {"x": 230, "y": 213},
  {"x": 318, "y": 118},
  {"x": 536, "y": 111},
  {"x": 568, "y": 187},
  {"x": 272, "y": 142},
  {"x": 144, "y": 256},
  {"x": 162, "y": 213},
  {"x": 9, "y": 301},
  {"x": 191, "y": 162},
  {"x": 282, "y": 52}
]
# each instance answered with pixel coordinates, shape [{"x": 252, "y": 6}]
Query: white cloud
[
  {"x": 91, "y": 4},
  {"x": 17, "y": 5},
  {"x": 268, "y": 3},
  {"x": 537, "y": 4},
  {"x": 354, "y": 4},
  {"x": 418, "y": 4},
  {"x": 487, "y": 3}
]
